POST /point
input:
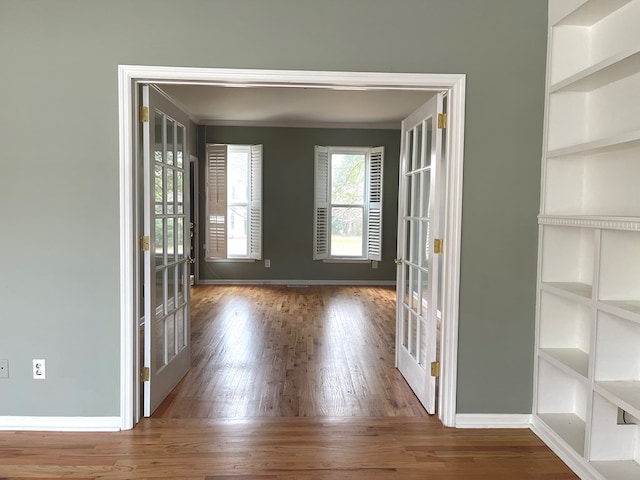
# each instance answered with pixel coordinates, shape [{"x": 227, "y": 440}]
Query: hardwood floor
[
  {"x": 281, "y": 351},
  {"x": 286, "y": 384}
]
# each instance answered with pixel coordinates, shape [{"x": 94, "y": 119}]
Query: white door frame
[{"x": 455, "y": 84}]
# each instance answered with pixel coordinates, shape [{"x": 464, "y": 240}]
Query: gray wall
[
  {"x": 288, "y": 203},
  {"x": 59, "y": 198}
]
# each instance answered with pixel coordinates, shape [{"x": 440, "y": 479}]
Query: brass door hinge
[
  {"x": 435, "y": 369},
  {"x": 144, "y": 114},
  {"x": 437, "y": 245},
  {"x": 442, "y": 120},
  {"x": 144, "y": 243},
  {"x": 144, "y": 374}
]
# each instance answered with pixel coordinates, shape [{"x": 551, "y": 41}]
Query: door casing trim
[{"x": 129, "y": 76}]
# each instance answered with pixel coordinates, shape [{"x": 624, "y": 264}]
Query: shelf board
[
  {"x": 600, "y": 145},
  {"x": 574, "y": 359},
  {"x": 591, "y": 12},
  {"x": 591, "y": 221},
  {"x": 623, "y": 393},
  {"x": 618, "y": 470},
  {"x": 602, "y": 73},
  {"x": 569, "y": 289},
  {"x": 567, "y": 426},
  {"x": 629, "y": 306}
]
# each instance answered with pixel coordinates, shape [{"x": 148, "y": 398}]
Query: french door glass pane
[
  {"x": 159, "y": 241},
  {"x": 160, "y": 291},
  {"x": 405, "y": 327},
  {"x": 180, "y": 329},
  {"x": 415, "y": 289},
  {"x": 428, "y": 140},
  {"x": 158, "y": 153},
  {"x": 170, "y": 239},
  {"x": 347, "y": 178},
  {"x": 415, "y": 245},
  {"x": 171, "y": 288},
  {"x": 424, "y": 262},
  {"x": 409, "y": 164},
  {"x": 158, "y": 341},
  {"x": 426, "y": 189},
  {"x": 159, "y": 189},
  {"x": 237, "y": 244},
  {"x": 347, "y": 231},
  {"x": 171, "y": 336},
  {"x": 413, "y": 336},
  {"x": 179, "y": 146},
  {"x": 422, "y": 357},
  {"x": 416, "y": 197},
  {"x": 424, "y": 287},
  {"x": 169, "y": 193},
  {"x": 419, "y": 156},
  {"x": 180, "y": 238},
  {"x": 179, "y": 192},
  {"x": 170, "y": 126}
]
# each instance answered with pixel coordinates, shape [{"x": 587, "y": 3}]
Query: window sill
[
  {"x": 230, "y": 260},
  {"x": 346, "y": 260}
]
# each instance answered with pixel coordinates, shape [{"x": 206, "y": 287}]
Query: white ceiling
[{"x": 295, "y": 106}]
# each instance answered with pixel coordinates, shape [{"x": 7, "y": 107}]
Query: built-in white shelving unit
[{"x": 587, "y": 372}]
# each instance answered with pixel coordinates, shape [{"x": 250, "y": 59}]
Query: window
[
  {"x": 348, "y": 203},
  {"x": 234, "y": 202}
]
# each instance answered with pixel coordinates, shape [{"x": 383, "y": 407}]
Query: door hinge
[
  {"x": 144, "y": 243},
  {"x": 435, "y": 369},
  {"x": 144, "y": 114},
  {"x": 437, "y": 245},
  {"x": 442, "y": 120},
  {"x": 144, "y": 374}
]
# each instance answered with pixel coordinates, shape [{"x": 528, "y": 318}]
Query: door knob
[
  {"x": 191, "y": 260},
  {"x": 398, "y": 261}
]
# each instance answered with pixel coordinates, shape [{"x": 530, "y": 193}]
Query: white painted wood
[
  {"x": 567, "y": 454},
  {"x": 61, "y": 424},
  {"x": 620, "y": 266},
  {"x": 567, "y": 426},
  {"x": 611, "y": 441},
  {"x": 571, "y": 360},
  {"x": 617, "y": 352},
  {"x": 567, "y": 255},
  {"x": 588, "y": 300},
  {"x": 481, "y": 420},
  {"x": 419, "y": 273},
  {"x": 621, "y": 470},
  {"x": 167, "y": 346},
  {"x": 453, "y": 84}
]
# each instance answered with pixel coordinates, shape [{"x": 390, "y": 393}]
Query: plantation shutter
[
  {"x": 216, "y": 239},
  {"x": 374, "y": 224},
  {"x": 321, "y": 204},
  {"x": 255, "y": 214}
]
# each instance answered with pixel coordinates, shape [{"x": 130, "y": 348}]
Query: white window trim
[
  {"x": 322, "y": 201},
  {"x": 216, "y": 243}
]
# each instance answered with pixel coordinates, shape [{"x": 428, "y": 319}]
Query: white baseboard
[
  {"x": 489, "y": 420},
  {"x": 299, "y": 283},
  {"x": 61, "y": 424},
  {"x": 568, "y": 455}
]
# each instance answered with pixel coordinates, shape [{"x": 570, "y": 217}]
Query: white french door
[
  {"x": 418, "y": 274},
  {"x": 167, "y": 352}
]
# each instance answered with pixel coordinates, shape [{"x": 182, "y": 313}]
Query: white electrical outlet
[
  {"x": 4, "y": 368},
  {"x": 374, "y": 264},
  {"x": 267, "y": 263},
  {"x": 39, "y": 371}
]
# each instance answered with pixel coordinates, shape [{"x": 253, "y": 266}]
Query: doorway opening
[{"x": 132, "y": 76}]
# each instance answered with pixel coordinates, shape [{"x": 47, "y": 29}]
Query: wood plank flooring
[
  {"x": 286, "y": 351},
  {"x": 287, "y": 384}
]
